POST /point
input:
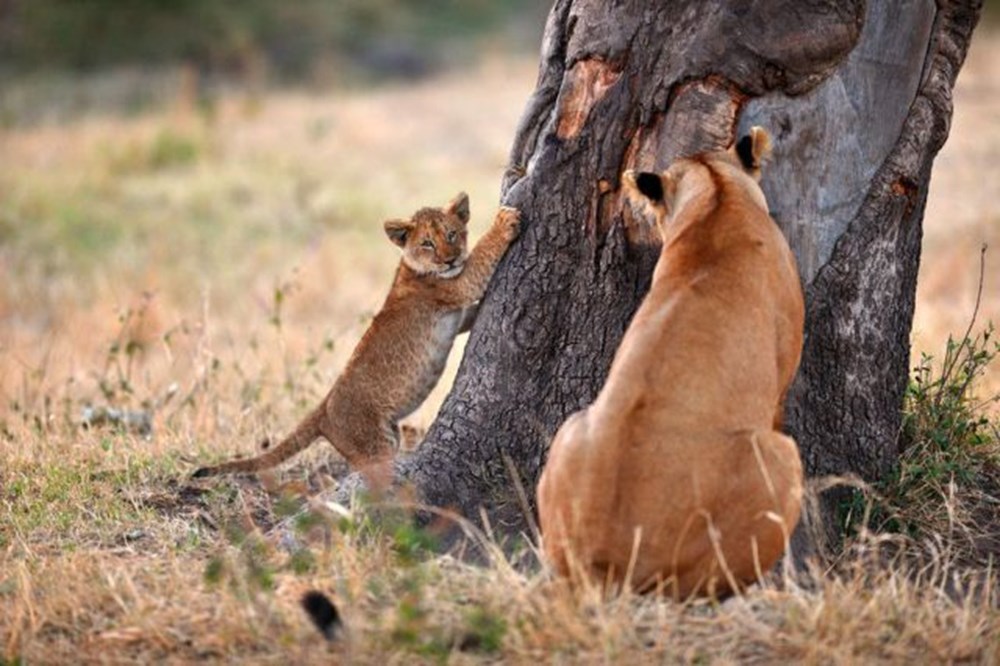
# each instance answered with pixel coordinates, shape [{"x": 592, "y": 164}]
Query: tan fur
[
  {"x": 402, "y": 354},
  {"x": 677, "y": 475}
]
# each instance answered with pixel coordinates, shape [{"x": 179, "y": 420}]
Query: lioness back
[{"x": 677, "y": 476}]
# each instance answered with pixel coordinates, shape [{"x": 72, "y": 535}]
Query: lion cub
[
  {"x": 677, "y": 477},
  {"x": 402, "y": 354}
]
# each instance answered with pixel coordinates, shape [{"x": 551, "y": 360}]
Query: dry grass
[
  {"x": 125, "y": 566},
  {"x": 219, "y": 269},
  {"x": 963, "y": 211}
]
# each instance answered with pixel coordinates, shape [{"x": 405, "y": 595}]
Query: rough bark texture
[{"x": 858, "y": 100}]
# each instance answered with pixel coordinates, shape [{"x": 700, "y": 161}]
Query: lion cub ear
[
  {"x": 651, "y": 191},
  {"x": 398, "y": 230},
  {"x": 753, "y": 149},
  {"x": 459, "y": 207}
]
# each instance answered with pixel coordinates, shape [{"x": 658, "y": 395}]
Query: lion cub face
[{"x": 434, "y": 239}]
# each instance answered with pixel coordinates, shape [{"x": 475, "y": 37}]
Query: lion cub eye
[
  {"x": 452, "y": 236},
  {"x": 427, "y": 243}
]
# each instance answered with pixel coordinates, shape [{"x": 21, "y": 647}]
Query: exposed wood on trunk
[{"x": 586, "y": 83}]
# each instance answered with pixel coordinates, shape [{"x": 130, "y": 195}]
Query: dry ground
[{"x": 218, "y": 266}]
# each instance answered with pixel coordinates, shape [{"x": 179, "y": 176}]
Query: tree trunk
[{"x": 858, "y": 101}]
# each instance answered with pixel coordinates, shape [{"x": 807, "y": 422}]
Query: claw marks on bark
[{"x": 585, "y": 84}]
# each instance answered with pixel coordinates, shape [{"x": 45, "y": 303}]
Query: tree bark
[{"x": 858, "y": 100}]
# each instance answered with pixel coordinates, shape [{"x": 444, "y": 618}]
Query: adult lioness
[
  {"x": 402, "y": 354},
  {"x": 677, "y": 475}
]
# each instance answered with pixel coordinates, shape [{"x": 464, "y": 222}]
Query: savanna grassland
[{"x": 211, "y": 265}]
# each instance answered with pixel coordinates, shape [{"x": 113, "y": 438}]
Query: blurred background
[{"x": 192, "y": 191}]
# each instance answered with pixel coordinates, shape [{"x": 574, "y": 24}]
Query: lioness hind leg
[
  {"x": 777, "y": 481},
  {"x": 755, "y": 515}
]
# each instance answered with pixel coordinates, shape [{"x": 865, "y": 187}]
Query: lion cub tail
[{"x": 305, "y": 434}]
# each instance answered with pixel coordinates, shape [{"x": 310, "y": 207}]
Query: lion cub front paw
[{"x": 509, "y": 221}]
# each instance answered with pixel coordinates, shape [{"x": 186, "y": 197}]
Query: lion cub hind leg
[{"x": 367, "y": 442}]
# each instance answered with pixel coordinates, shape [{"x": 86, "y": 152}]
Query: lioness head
[
  {"x": 663, "y": 195},
  {"x": 434, "y": 239}
]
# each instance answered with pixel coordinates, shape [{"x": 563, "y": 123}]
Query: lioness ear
[
  {"x": 650, "y": 185},
  {"x": 753, "y": 149},
  {"x": 459, "y": 207},
  {"x": 650, "y": 189},
  {"x": 398, "y": 230}
]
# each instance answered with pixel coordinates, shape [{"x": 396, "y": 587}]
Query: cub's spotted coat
[{"x": 402, "y": 354}]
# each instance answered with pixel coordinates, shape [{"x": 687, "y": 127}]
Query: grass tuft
[{"x": 946, "y": 485}]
